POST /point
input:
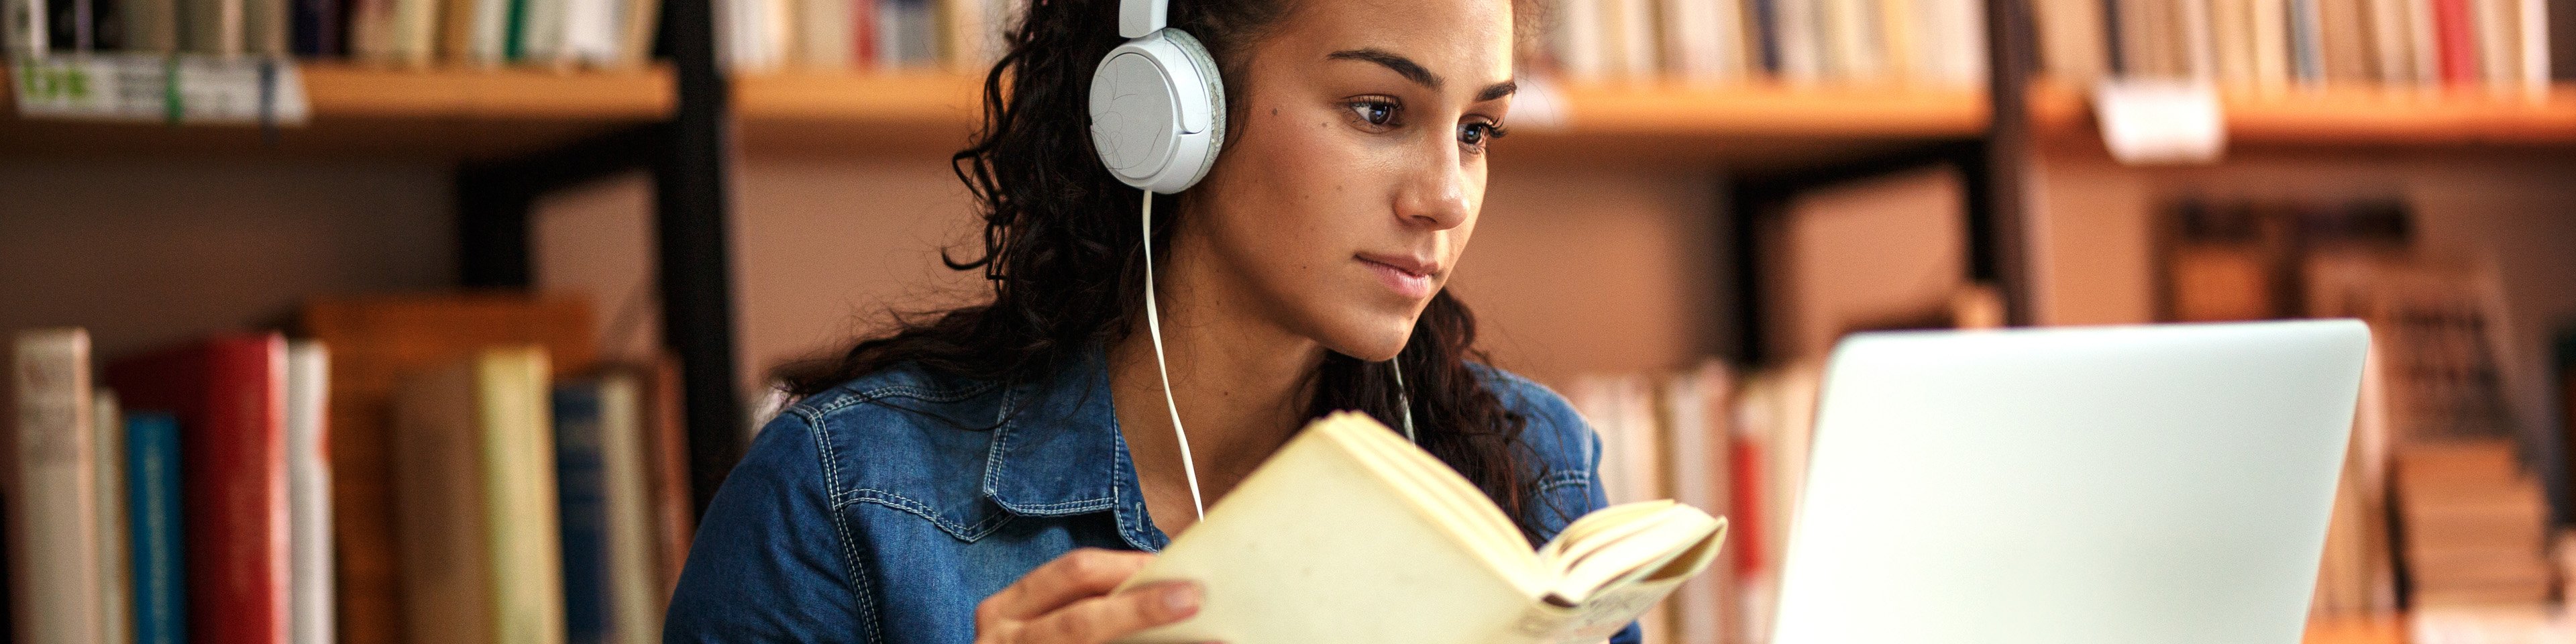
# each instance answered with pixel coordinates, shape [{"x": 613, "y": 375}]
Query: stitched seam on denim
[
  {"x": 1561, "y": 479},
  {"x": 863, "y": 594}
]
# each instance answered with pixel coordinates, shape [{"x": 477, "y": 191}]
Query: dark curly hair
[{"x": 1060, "y": 252}]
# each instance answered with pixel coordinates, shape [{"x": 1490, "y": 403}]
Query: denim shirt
[{"x": 884, "y": 511}]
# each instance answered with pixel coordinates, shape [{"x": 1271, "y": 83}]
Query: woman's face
[{"x": 1358, "y": 165}]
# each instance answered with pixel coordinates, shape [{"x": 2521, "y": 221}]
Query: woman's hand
[{"x": 1067, "y": 601}]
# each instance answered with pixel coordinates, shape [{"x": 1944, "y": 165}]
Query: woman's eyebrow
[
  {"x": 1415, "y": 72},
  {"x": 1401, "y": 65}
]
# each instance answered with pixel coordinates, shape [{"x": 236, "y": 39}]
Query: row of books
[
  {"x": 963, "y": 36},
  {"x": 2437, "y": 509},
  {"x": 1930, "y": 42},
  {"x": 1731, "y": 443},
  {"x": 599, "y": 33},
  {"x": 2503, "y": 45},
  {"x": 408, "y": 468}
]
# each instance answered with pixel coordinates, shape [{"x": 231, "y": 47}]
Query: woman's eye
[
  {"x": 1375, "y": 113},
  {"x": 1476, "y": 135}
]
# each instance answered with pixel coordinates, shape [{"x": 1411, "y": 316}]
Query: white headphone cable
[
  {"x": 1154, "y": 324},
  {"x": 1402, "y": 401}
]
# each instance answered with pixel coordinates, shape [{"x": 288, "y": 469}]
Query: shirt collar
[{"x": 1058, "y": 452}]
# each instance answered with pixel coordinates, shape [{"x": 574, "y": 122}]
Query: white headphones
[
  {"x": 1157, "y": 119},
  {"x": 1157, "y": 106}
]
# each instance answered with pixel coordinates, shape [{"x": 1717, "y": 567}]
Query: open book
[{"x": 1350, "y": 534}]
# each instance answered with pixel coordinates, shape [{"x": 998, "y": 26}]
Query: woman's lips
[{"x": 1411, "y": 279}]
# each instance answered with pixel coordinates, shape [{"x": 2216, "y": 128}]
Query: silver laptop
[{"x": 2152, "y": 484}]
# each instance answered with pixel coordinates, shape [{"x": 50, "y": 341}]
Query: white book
[
  {"x": 1955, "y": 47},
  {"x": 1695, "y": 404},
  {"x": 541, "y": 30},
  {"x": 1799, "y": 28},
  {"x": 53, "y": 511},
  {"x": 115, "y": 542},
  {"x": 824, "y": 38},
  {"x": 634, "y": 585},
  {"x": 308, "y": 494},
  {"x": 1703, "y": 40},
  {"x": 2499, "y": 55},
  {"x": 2534, "y": 20},
  {"x": 2200, "y": 46},
  {"x": 2392, "y": 64},
  {"x": 1580, "y": 37},
  {"x": 1632, "y": 37},
  {"x": 2427, "y": 53},
  {"x": 2271, "y": 44},
  {"x": 1349, "y": 519},
  {"x": 590, "y": 32}
]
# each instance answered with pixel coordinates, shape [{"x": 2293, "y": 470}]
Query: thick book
[
  {"x": 375, "y": 341},
  {"x": 475, "y": 493},
  {"x": 229, "y": 393},
  {"x": 1350, "y": 534},
  {"x": 152, "y": 501},
  {"x": 53, "y": 524},
  {"x": 308, "y": 490}
]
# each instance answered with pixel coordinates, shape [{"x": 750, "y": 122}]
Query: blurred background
[{"x": 600, "y": 226}]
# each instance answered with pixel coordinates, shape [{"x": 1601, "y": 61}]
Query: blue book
[
  {"x": 152, "y": 506},
  {"x": 581, "y": 475}
]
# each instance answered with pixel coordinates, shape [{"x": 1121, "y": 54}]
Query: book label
[{"x": 177, "y": 90}]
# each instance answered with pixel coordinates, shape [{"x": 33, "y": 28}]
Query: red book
[
  {"x": 1746, "y": 508},
  {"x": 2455, "y": 31},
  {"x": 863, "y": 33},
  {"x": 229, "y": 394}
]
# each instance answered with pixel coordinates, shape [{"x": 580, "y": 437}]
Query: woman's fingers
[
  {"x": 1100, "y": 619},
  {"x": 1083, "y": 573}
]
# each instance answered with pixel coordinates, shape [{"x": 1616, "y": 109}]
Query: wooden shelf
[
  {"x": 926, "y": 113},
  {"x": 371, "y": 111},
  {"x": 2358, "y": 117}
]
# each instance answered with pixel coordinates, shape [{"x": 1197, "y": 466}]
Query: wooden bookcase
[{"x": 515, "y": 134}]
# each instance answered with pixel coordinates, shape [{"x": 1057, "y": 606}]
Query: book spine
[
  {"x": 1765, "y": 15},
  {"x": 517, "y": 448},
  {"x": 2532, "y": 17},
  {"x": 238, "y": 557},
  {"x": 2271, "y": 44},
  {"x": 54, "y": 521},
  {"x": 674, "y": 508},
  {"x": 308, "y": 470},
  {"x": 583, "y": 505},
  {"x": 24, "y": 24},
  {"x": 2233, "y": 32},
  {"x": 2498, "y": 54},
  {"x": 115, "y": 541},
  {"x": 633, "y": 584},
  {"x": 160, "y": 576},
  {"x": 2455, "y": 34},
  {"x": 2391, "y": 62},
  {"x": 317, "y": 28}
]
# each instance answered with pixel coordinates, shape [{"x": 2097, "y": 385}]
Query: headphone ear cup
[
  {"x": 1158, "y": 111},
  {"x": 1213, "y": 87}
]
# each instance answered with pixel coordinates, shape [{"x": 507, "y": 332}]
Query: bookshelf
[
  {"x": 2353, "y": 117},
  {"x": 1762, "y": 124},
  {"x": 366, "y": 111},
  {"x": 688, "y": 120}
]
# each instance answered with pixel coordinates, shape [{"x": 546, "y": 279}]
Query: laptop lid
[{"x": 2149, "y": 484}]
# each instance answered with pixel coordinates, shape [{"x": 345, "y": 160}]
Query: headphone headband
[{"x": 1139, "y": 17}]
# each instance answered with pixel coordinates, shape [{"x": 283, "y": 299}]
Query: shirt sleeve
[{"x": 770, "y": 562}]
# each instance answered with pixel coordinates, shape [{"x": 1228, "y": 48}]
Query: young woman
[{"x": 989, "y": 473}]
